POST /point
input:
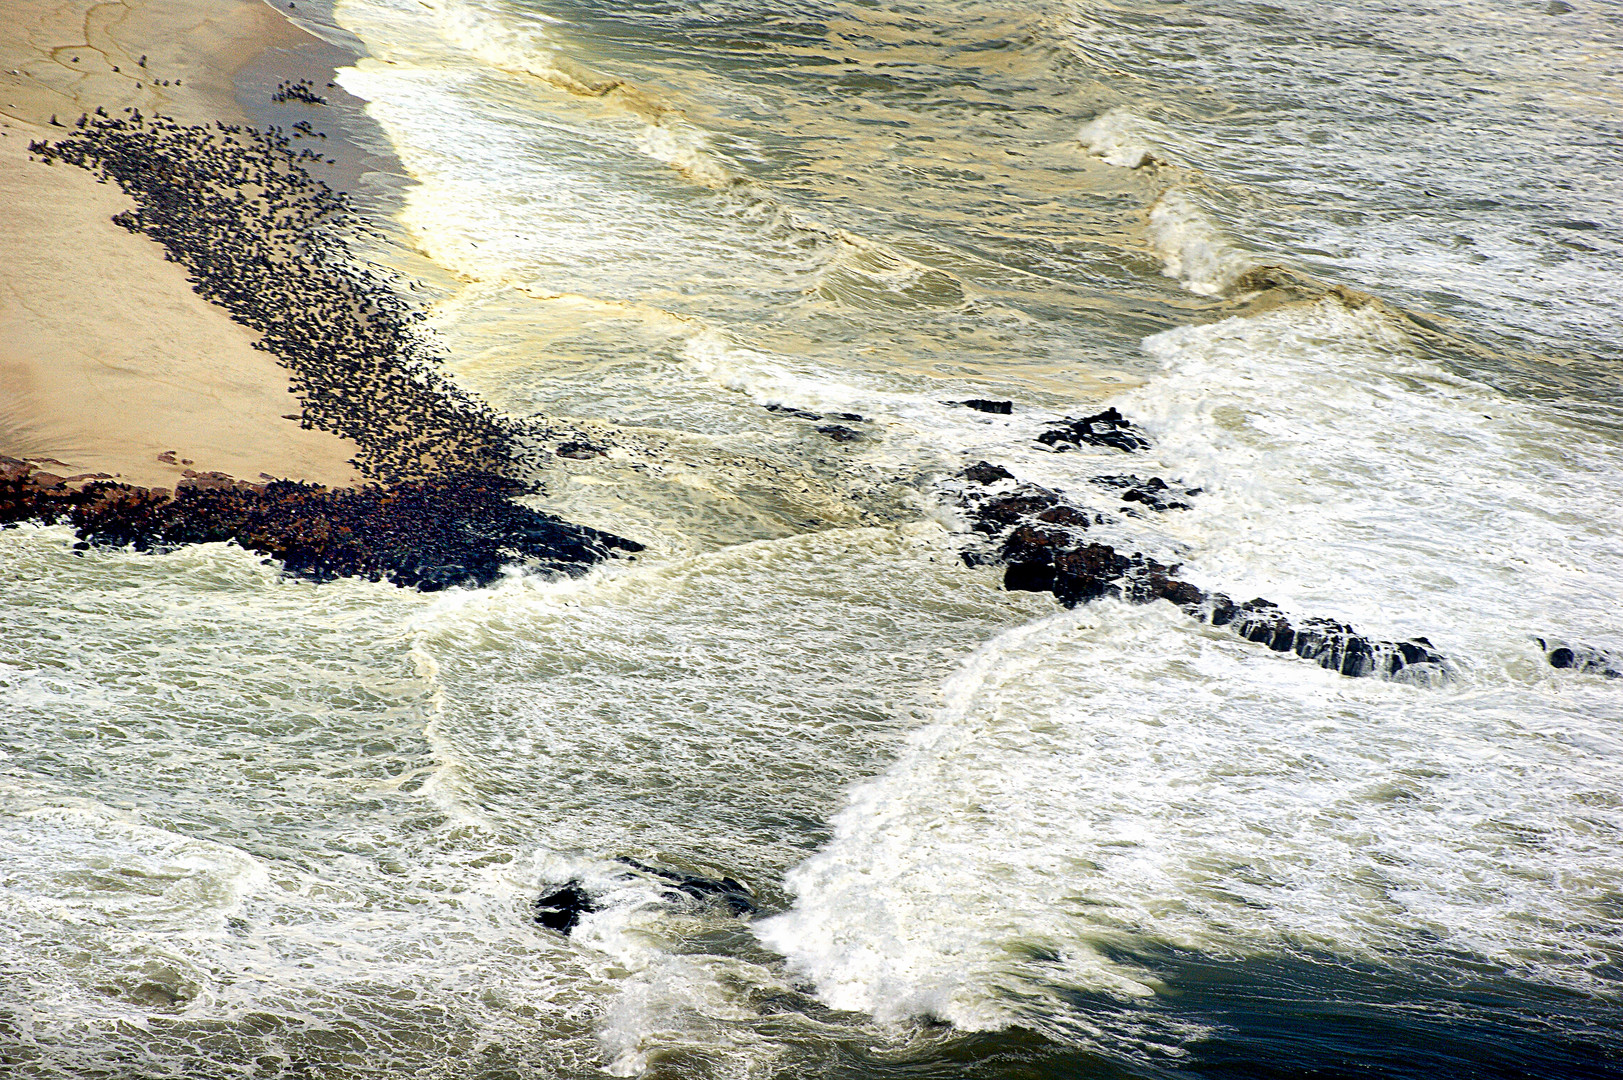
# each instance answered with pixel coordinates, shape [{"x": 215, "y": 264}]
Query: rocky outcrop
[
  {"x": 724, "y": 892},
  {"x": 561, "y": 908},
  {"x": 1042, "y": 539},
  {"x": 996, "y": 408},
  {"x": 1108, "y": 428},
  {"x": 1580, "y": 658},
  {"x": 1154, "y": 493}
]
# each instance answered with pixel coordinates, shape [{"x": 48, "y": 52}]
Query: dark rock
[
  {"x": 1178, "y": 592},
  {"x": 849, "y": 417},
  {"x": 995, "y": 515},
  {"x": 1580, "y": 658},
  {"x": 983, "y": 472},
  {"x": 1108, "y": 428},
  {"x": 1089, "y": 572},
  {"x": 788, "y": 411},
  {"x": 1068, "y": 516},
  {"x": 1029, "y": 577},
  {"x": 724, "y": 892},
  {"x": 1154, "y": 493},
  {"x": 839, "y": 433},
  {"x": 1033, "y": 543},
  {"x": 999, "y": 408},
  {"x": 1042, "y": 543},
  {"x": 561, "y": 909}
]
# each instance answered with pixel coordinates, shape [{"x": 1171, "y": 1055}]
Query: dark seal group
[{"x": 267, "y": 241}]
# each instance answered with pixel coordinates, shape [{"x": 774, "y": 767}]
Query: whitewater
[{"x": 1353, "y": 271}]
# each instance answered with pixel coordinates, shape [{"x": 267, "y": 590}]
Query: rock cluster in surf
[
  {"x": 562, "y": 907},
  {"x": 1108, "y": 428},
  {"x": 266, "y": 240},
  {"x": 838, "y": 432},
  {"x": 1581, "y": 658},
  {"x": 997, "y": 408},
  {"x": 1041, "y": 538}
]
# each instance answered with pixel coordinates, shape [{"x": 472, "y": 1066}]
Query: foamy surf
[
  {"x": 1191, "y": 246},
  {"x": 1345, "y": 471},
  {"x": 1118, "y": 782},
  {"x": 754, "y": 277},
  {"x": 1120, "y": 138}
]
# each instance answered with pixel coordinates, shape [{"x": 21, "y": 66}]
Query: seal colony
[{"x": 265, "y": 240}]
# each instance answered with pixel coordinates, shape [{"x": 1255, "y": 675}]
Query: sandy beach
[{"x": 110, "y": 363}]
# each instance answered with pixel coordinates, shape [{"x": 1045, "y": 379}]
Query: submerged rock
[
  {"x": 1108, "y": 428},
  {"x": 1153, "y": 493},
  {"x": 563, "y": 907},
  {"x": 788, "y": 410},
  {"x": 733, "y": 895},
  {"x": 997, "y": 408},
  {"x": 1580, "y": 658},
  {"x": 984, "y": 472}
]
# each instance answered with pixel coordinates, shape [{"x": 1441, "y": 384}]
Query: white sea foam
[
  {"x": 1182, "y": 231},
  {"x": 1348, "y": 475},
  {"x": 686, "y": 149},
  {"x": 1121, "y": 780},
  {"x": 336, "y": 803},
  {"x": 645, "y": 709},
  {"x": 1192, "y": 247},
  {"x": 772, "y": 380},
  {"x": 1121, "y": 138},
  {"x": 509, "y": 43},
  {"x": 1117, "y": 781}
]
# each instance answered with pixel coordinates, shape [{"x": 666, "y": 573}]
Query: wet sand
[{"x": 110, "y": 363}]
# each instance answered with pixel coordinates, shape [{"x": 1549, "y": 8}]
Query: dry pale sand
[{"x": 108, "y": 359}]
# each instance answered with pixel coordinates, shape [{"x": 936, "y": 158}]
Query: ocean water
[{"x": 1353, "y": 268}]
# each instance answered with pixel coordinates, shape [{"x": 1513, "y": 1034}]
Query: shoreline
[
  {"x": 111, "y": 364},
  {"x": 238, "y": 231}
]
